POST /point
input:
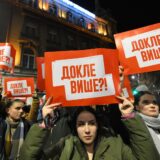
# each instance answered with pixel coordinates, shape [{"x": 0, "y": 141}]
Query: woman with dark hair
[
  {"x": 87, "y": 141},
  {"x": 13, "y": 130},
  {"x": 147, "y": 107}
]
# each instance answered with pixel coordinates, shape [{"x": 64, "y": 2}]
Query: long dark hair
[{"x": 76, "y": 114}]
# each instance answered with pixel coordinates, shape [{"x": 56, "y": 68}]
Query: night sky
[
  {"x": 133, "y": 14},
  {"x": 130, "y": 14}
]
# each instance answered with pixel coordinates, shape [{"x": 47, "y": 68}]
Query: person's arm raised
[
  {"x": 141, "y": 143},
  {"x": 126, "y": 107},
  {"x": 48, "y": 111},
  {"x": 32, "y": 148}
]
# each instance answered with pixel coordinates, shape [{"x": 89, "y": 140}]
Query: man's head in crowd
[
  {"x": 146, "y": 103},
  {"x": 14, "y": 109}
]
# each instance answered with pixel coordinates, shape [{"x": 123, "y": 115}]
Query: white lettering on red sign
[
  {"x": 83, "y": 77},
  {"x": 145, "y": 47},
  {"x": 18, "y": 88}
]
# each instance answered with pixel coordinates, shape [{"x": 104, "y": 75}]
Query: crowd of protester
[{"x": 44, "y": 131}]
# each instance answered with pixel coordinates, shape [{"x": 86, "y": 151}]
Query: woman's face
[
  {"x": 86, "y": 127},
  {"x": 15, "y": 111},
  {"x": 148, "y": 105}
]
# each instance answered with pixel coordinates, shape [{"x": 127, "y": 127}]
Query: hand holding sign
[
  {"x": 125, "y": 106},
  {"x": 49, "y": 115},
  {"x": 49, "y": 108}
]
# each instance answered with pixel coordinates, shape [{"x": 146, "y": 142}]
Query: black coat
[{"x": 3, "y": 127}]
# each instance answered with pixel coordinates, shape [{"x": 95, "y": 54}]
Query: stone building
[{"x": 36, "y": 26}]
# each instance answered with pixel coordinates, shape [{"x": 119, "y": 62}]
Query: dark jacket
[
  {"x": 108, "y": 148},
  {"x": 3, "y": 127},
  {"x": 61, "y": 128}
]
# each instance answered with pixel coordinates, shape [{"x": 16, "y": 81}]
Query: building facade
[{"x": 36, "y": 26}]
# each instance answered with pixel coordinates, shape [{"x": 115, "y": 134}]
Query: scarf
[
  {"x": 14, "y": 142},
  {"x": 153, "y": 125}
]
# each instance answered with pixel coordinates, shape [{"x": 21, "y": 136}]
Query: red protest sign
[
  {"x": 139, "y": 49},
  {"x": 7, "y": 57},
  {"x": 19, "y": 87},
  {"x": 40, "y": 73},
  {"x": 82, "y": 77}
]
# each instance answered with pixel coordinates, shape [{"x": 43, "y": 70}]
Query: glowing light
[
  {"x": 134, "y": 92},
  {"x": 18, "y": 53},
  {"x": 133, "y": 77},
  {"x": 63, "y": 14},
  {"x": 79, "y": 8},
  {"x": 105, "y": 33},
  {"x": 89, "y": 26},
  {"x": 100, "y": 30},
  {"x": 43, "y": 4},
  {"x": 59, "y": 13}
]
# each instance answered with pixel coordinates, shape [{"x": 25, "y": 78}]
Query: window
[
  {"x": 102, "y": 29},
  {"x": 52, "y": 36},
  {"x": 69, "y": 16},
  {"x": 31, "y": 30},
  {"x": 35, "y": 3},
  {"x": 83, "y": 45},
  {"x": 70, "y": 40},
  {"x": 43, "y": 4},
  {"x": 82, "y": 22},
  {"x": 29, "y": 2},
  {"x": 91, "y": 27},
  {"x": 53, "y": 10},
  {"x": 28, "y": 59}
]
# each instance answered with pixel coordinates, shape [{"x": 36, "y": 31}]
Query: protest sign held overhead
[
  {"x": 139, "y": 49},
  {"x": 19, "y": 87},
  {"x": 7, "y": 57},
  {"x": 82, "y": 77},
  {"x": 40, "y": 73}
]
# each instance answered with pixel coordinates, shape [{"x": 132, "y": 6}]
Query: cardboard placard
[
  {"x": 139, "y": 49},
  {"x": 19, "y": 86},
  {"x": 82, "y": 77},
  {"x": 7, "y": 57}
]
